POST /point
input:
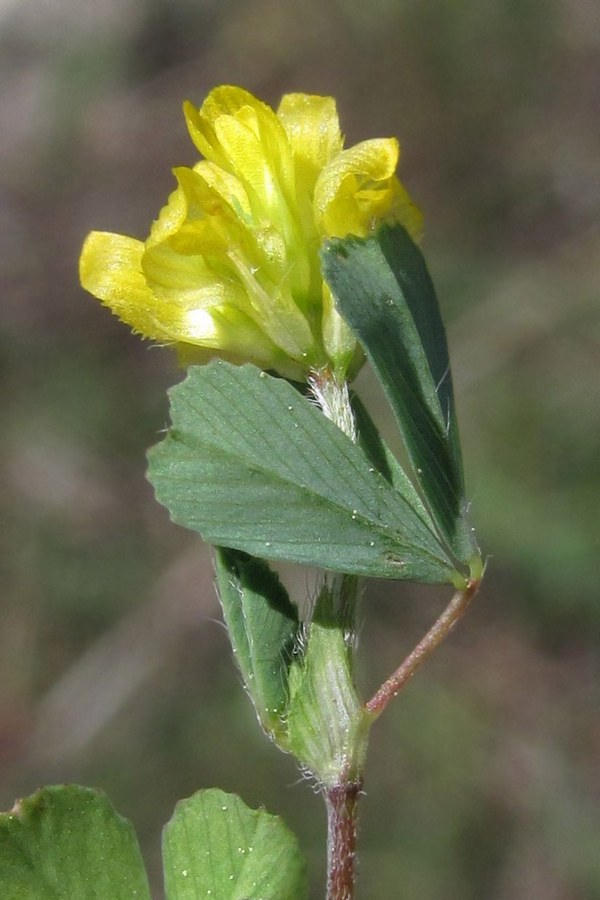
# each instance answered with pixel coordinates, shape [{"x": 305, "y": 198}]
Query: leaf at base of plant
[
  {"x": 67, "y": 842},
  {"x": 216, "y": 847}
]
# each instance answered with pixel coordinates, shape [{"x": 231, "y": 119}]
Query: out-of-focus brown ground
[{"x": 114, "y": 671}]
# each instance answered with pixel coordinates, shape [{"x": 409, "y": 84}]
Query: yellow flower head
[{"x": 231, "y": 266}]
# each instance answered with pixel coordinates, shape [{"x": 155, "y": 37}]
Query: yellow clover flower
[{"x": 231, "y": 267}]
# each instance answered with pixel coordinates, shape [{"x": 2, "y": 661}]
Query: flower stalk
[{"x": 438, "y": 632}]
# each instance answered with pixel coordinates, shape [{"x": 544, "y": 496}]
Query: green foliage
[
  {"x": 504, "y": 232},
  {"x": 253, "y": 465},
  {"x": 214, "y": 846},
  {"x": 384, "y": 292},
  {"x": 263, "y": 626},
  {"x": 327, "y": 725},
  {"x": 68, "y": 843},
  {"x": 299, "y": 676}
]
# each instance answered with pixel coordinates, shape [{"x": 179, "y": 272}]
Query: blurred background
[{"x": 483, "y": 779}]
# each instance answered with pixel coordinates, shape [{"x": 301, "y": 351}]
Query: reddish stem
[
  {"x": 434, "y": 637},
  {"x": 341, "y": 801}
]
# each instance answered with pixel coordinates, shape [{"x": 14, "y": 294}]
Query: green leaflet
[
  {"x": 383, "y": 290},
  {"x": 252, "y": 465},
  {"x": 68, "y": 841},
  {"x": 215, "y": 846},
  {"x": 263, "y": 625}
]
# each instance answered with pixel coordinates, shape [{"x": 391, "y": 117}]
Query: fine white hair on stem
[{"x": 333, "y": 399}]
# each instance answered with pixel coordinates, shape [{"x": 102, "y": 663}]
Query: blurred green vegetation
[{"x": 114, "y": 671}]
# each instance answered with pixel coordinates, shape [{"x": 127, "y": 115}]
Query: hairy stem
[
  {"x": 334, "y": 400},
  {"x": 341, "y": 801},
  {"x": 434, "y": 637}
]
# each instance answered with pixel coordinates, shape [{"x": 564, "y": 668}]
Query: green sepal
[
  {"x": 263, "y": 628},
  {"x": 215, "y": 846},
  {"x": 253, "y": 465},
  {"x": 384, "y": 292},
  {"x": 67, "y": 841}
]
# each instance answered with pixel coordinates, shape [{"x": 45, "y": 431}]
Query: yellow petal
[
  {"x": 170, "y": 218},
  {"x": 273, "y": 307},
  {"x": 217, "y": 219},
  {"x": 227, "y": 100},
  {"x": 198, "y": 269},
  {"x": 224, "y": 100},
  {"x": 197, "y": 313},
  {"x": 244, "y": 137},
  {"x": 231, "y": 333},
  {"x": 233, "y": 129},
  {"x": 110, "y": 268},
  {"x": 355, "y": 188},
  {"x": 251, "y": 163},
  {"x": 313, "y": 130},
  {"x": 226, "y": 186},
  {"x": 185, "y": 280},
  {"x": 202, "y": 135},
  {"x": 248, "y": 349},
  {"x": 209, "y": 215},
  {"x": 404, "y": 210}
]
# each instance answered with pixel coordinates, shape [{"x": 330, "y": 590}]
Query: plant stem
[
  {"x": 434, "y": 637},
  {"x": 341, "y": 801}
]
